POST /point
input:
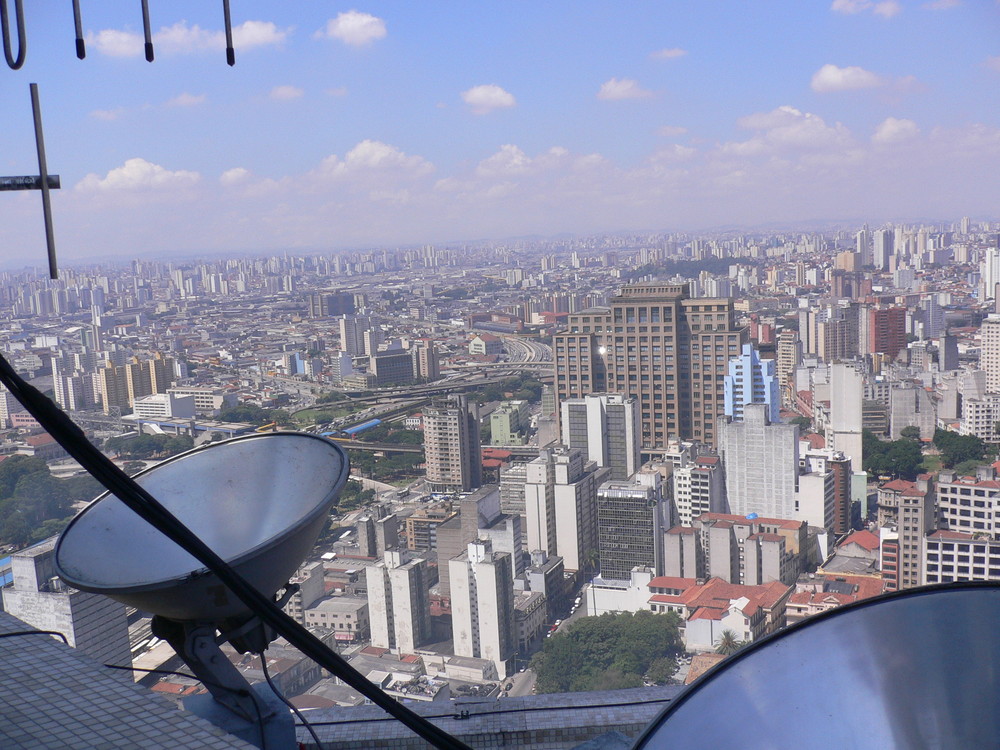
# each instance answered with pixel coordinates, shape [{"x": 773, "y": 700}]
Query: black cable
[
  {"x": 283, "y": 699},
  {"x": 71, "y": 438},
  {"x": 523, "y": 710},
  {"x": 13, "y": 633}
]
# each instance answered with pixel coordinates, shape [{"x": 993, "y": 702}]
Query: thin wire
[
  {"x": 494, "y": 712},
  {"x": 15, "y": 63},
  {"x": 132, "y": 495},
  {"x": 13, "y": 633},
  {"x": 283, "y": 699}
]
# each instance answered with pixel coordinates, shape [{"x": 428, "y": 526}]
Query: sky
[{"x": 383, "y": 124}]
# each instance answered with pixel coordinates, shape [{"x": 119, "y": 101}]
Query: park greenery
[
  {"x": 148, "y": 446},
  {"x": 960, "y": 452},
  {"x": 524, "y": 387},
  {"x": 256, "y": 415},
  {"x": 353, "y": 496},
  {"x": 898, "y": 459},
  {"x": 610, "y": 652},
  {"x": 35, "y": 505}
]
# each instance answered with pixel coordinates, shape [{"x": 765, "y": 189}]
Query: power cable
[
  {"x": 283, "y": 699},
  {"x": 14, "y": 633},
  {"x": 71, "y": 438}
]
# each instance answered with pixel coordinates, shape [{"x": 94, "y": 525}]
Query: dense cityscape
[
  {"x": 734, "y": 431},
  {"x": 587, "y": 376}
]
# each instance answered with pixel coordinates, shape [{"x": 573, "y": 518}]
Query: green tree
[
  {"x": 729, "y": 643},
  {"x": 957, "y": 448},
  {"x": 607, "y": 652},
  {"x": 910, "y": 433},
  {"x": 661, "y": 670},
  {"x": 804, "y": 423}
]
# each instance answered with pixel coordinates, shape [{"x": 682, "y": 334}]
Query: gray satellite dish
[
  {"x": 918, "y": 669},
  {"x": 259, "y": 501}
]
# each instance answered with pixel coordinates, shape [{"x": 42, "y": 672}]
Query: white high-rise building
[
  {"x": 398, "y": 604},
  {"x": 846, "y": 393},
  {"x": 882, "y": 241},
  {"x": 761, "y": 462},
  {"x": 989, "y": 353},
  {"x": 561, "y": 505},
  {"x": 482, "y": 605},
  {"x": 606, "y": 426},
  {"x": 92, "y": 623},
  {"x": 352, "y": 334}
]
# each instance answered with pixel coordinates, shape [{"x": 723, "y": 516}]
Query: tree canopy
[
  {"x": 255, "y": 415},
  {"x": 148, "y": 446},
  {"x": 34, "y": 504},
  {"x": 609, "y": 652},
  {"x": 956, "y": 449},
  {"x": 895, "y": 458}
]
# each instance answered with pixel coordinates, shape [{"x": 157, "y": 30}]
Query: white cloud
[
  {"x": 138, "y": 174},
  {"x": 942, "y": 4},
  {"x": 115, "y": 43},
  {"x": 509, "y": 160},
  {"x": 184, "y": 39},
  {"x": 234, "y": 176},
  {"x": 251, "y": 34},
  {"x": 617, "y": 89},
  {"x": 337, "y": 91},
  {"x": 993, "y": 63},
  {"x": 893, "y": 130},
  {"x": 285, "y": 93},
  {"x": 354, "y": 28},
  {"x": 787, "y": 128},
  {"x": 885, "y": 8},
  {"x": 373, "y": 159},
  {"x": 488, "y": 97},
  {"x": 108, "y": 114},
  {"x": 670, "y": 53},
  {"x": 669, "y": 131},
  {"x": 831, "y": 78},
  {"x": 186, "y": 100}
]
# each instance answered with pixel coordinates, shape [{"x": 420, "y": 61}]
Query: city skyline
[{"x": 384, "y": 124}]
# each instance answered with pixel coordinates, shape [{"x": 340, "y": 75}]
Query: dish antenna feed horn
[{"x": 260, "y": 502}]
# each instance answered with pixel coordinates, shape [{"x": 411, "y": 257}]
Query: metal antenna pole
[
  {"x": 43, "y": 172},
  {"x": 230, "y": 52},
  {"x": 147, "y": 31},
  {"x": 81, "y": 49}
]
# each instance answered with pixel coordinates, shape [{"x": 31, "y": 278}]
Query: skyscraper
[
  {"x": 656, "y": 345},
  {"x": 761, "y": 462},
  {"x": 887, "y": 331},
  {"x": 630, "y": 526},
  {"x": 560, "y": 494},
  {"x": 989, "y": 357},
  {"x": 352, "y": 334},
  {"x": 751, "y": 380},
  {"x": 451, "y": 444},
  {"x": 605, "y": 427},
  {"x": 399, "y": 607},
  {"x": 482, "y": 605}
]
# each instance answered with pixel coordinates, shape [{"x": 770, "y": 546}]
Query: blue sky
[{"x": 388, "y": 123}]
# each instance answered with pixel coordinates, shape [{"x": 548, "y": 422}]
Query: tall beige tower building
[
  {"x": 659, "y": 346},
  {"x": 451, "y": 444}
]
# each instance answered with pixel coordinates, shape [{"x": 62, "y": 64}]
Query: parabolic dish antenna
[
  {"x": 258, "y": 501},
  {"x": 918, "y": 669}
]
